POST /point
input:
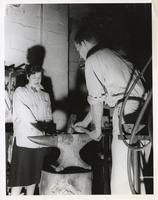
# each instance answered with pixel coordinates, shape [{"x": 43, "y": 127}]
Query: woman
[{"x": 31, "y": 104}]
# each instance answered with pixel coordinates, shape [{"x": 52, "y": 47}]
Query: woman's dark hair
[{"x": 32, "y": 69}]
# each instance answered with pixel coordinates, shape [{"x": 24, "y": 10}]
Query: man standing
[{"x": 107, "y": 77}]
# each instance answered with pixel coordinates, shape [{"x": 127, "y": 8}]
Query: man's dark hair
[
  {"x": 32, "y": 69},
  {"x": 85, "y": 33}
]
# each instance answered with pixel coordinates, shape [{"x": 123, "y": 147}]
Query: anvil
[{"x": 69, "y": 145}]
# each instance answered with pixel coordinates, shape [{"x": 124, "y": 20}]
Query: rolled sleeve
[{"x": 93, "y": 100}]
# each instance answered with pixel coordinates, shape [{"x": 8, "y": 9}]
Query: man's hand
[
  {"x": 79, "y": 127},
  {"x": 92, "y": 134}
]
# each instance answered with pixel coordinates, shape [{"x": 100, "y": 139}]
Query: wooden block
[{"x": 65, "y": 184}]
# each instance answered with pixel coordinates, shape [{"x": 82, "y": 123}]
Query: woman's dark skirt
[{"x": 26, "y": 165}]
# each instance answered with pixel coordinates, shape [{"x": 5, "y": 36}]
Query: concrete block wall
[
  {"x": 76, "y": 12},
  {"x": 73, "y": 59},
  {"x": 36, "y": 24},
  {"x": 22, "y": 30},
  {"x": 55, "y": 40},
  {"x": 40, "y": 24}
]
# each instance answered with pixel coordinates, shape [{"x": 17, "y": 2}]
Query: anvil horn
[{"x": 49, "y": 141}]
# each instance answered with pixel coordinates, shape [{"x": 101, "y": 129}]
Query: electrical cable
[
  {"x": 139, "y": 120},
  {"x": 130, "y": 144},
  {"x": 126, "y": 96},
  {"x": 131, "y": 141}
]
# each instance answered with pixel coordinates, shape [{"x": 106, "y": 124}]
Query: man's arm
[
  {"x": 84, "y": 123},
  {"x": 97, "y": 113}
]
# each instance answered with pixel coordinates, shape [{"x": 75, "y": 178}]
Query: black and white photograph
[{"x": 79, "y": 99}]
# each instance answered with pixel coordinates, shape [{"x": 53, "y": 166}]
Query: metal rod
[{"x": 136, "y": 171}]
